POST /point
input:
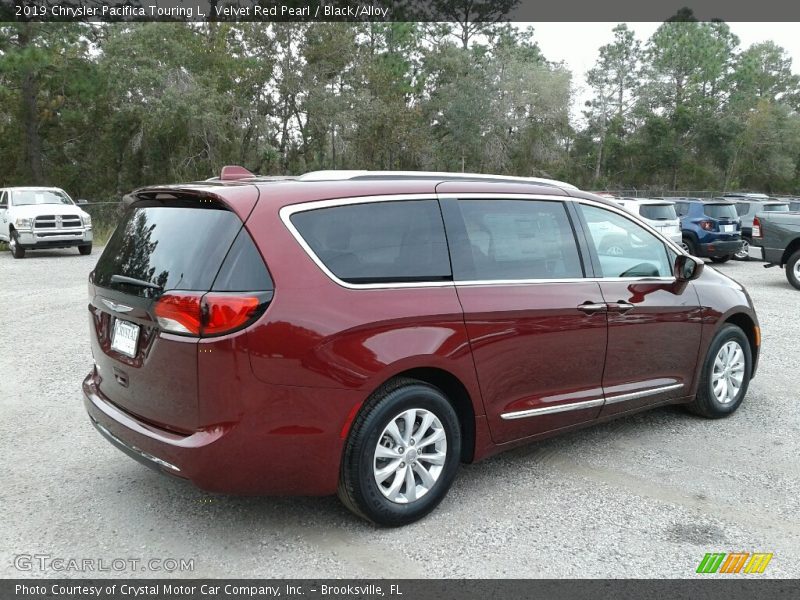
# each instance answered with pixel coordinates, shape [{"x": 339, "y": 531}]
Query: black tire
[
  {"x": 744, "y": 251},
  {"x": 17, "y": 251},
  {"x": 358, "y": 489},
  {"x": 690, "y": 246},
  {"x": 85, "y": 250},
  {"x": 792, "y": 270},
  {"x": 721, "y": 259},
  {"x": 706, "y": 403}
]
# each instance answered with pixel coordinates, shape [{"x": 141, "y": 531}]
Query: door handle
[
  {"x": 620, "y": 307},
  {"x": 591, "y": 308}
]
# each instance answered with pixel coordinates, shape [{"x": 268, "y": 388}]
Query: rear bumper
[
  {"x": 252, "y": 456},
  {"x": 773, "y": 255},
  {"x": 719, "y": 249},
  {"x": 54, "y": 239}
]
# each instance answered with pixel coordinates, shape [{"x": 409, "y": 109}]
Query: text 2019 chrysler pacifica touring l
[{"x": 363, "y": 333}]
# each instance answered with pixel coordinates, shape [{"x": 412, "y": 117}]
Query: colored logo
[{"x": 735, "y": 562}]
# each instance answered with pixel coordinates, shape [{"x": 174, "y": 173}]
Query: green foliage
[{"x": 103, "y": 109}]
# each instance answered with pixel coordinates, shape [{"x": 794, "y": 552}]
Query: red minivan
[{"x": 363, "y": 333}]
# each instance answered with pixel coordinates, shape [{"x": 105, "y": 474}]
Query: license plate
[
  {"x": 125, "y": 338},
  {"x": 729, "y": 228}
]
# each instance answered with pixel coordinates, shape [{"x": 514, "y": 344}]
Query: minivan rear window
[
  {"x": 658, "y": 212},
  {"x": 720, "y": 211},
  {"x": 379, "y": 242},
  {"x": 173, "y": 247}
]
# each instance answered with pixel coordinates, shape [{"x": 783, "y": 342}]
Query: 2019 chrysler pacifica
[{"x": 363, "y": 333}]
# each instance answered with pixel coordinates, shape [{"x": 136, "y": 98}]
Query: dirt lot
[{"x": 646, "y": 496}]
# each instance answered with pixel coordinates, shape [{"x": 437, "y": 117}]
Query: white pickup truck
[{"x": 32, "y": 218}]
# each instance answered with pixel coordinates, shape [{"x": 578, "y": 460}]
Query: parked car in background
[
  {"x": 710, "y": 228},
  {"x": 363, "y": 333},
  {"x": 33, "y": 218},
  {"x": 745, "y": 196},
  {"x": 747, "y": 210},
  {"x": 778, "y": 235},
  {"x": 659, "y": 214}
]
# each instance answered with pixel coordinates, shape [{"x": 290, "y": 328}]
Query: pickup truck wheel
[
  {"x": 17, "y": 251},
  {"x": 721, "y": 259},
  {"x": 85, "y": 250},
  {"x": 793, "y": 270},
  {"x": 744, "y": 251},
  {"x": 725, "y": 375}
]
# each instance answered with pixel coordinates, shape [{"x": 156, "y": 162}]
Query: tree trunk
[{"x": 30, "y": 116}]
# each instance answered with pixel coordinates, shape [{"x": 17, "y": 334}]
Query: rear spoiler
[{"x": 238, "y": 199}]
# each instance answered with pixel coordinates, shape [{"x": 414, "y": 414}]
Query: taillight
[
  {"x": 756, "y": 227},
  {"x": 707, "y": 225},
  {"x": 225, "y": 313},
  {"x": 199, "y": 314},
  {"x": 180, "y": 312}
]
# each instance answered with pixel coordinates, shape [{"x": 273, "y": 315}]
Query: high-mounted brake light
[
  {"x": 756, "y": 228},
  {"x": 199, "y": 314}
]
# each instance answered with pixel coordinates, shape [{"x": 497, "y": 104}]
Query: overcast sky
[{"x": 577, "y": 44}]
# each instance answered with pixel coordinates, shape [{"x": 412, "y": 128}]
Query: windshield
[
  {"x": 32, "y": 197},
  {"x": 658, "y": 212},
  {"x": 775, "y": 208},
  {"x": 720, "y": 211}
]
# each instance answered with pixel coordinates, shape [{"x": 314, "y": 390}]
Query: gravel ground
[{"x": 645, "y": 496}]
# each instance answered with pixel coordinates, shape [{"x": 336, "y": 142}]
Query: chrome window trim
[
  {"x": 549, "y": 410},
  {"x": 286, "y": 212}
]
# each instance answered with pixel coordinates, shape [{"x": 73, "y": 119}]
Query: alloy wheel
[
  {"x": 744, "y": 251},
  {"x": 410, "y": 455},
  {"x": 728, "y": 372}
]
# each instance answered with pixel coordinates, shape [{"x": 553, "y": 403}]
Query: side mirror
[
  {"x": 687, "y": 268},
  {"x": 82, "y": 201}
]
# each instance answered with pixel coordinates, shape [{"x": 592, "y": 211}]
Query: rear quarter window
[{"x": 378, "y": 242}]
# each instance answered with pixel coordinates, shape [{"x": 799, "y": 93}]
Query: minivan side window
[
  {"x": 501, "y": 240},
  {"x": 379, "y": 242},
  {"x": 624, "y": 248}
]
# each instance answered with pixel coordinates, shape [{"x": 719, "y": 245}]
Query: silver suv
[
  {"x": 659, "y": 214},
  {"x": 32, "y": 218}
]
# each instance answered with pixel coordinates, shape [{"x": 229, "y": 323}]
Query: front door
[
  {"x": 537, "y": 328},
  {"x": 654, "y": 323}
]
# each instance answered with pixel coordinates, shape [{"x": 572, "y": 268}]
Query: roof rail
[{"x": 336, "y": 175}]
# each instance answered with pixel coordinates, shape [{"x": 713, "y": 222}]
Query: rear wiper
[{"x": 132, "y": 281}]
